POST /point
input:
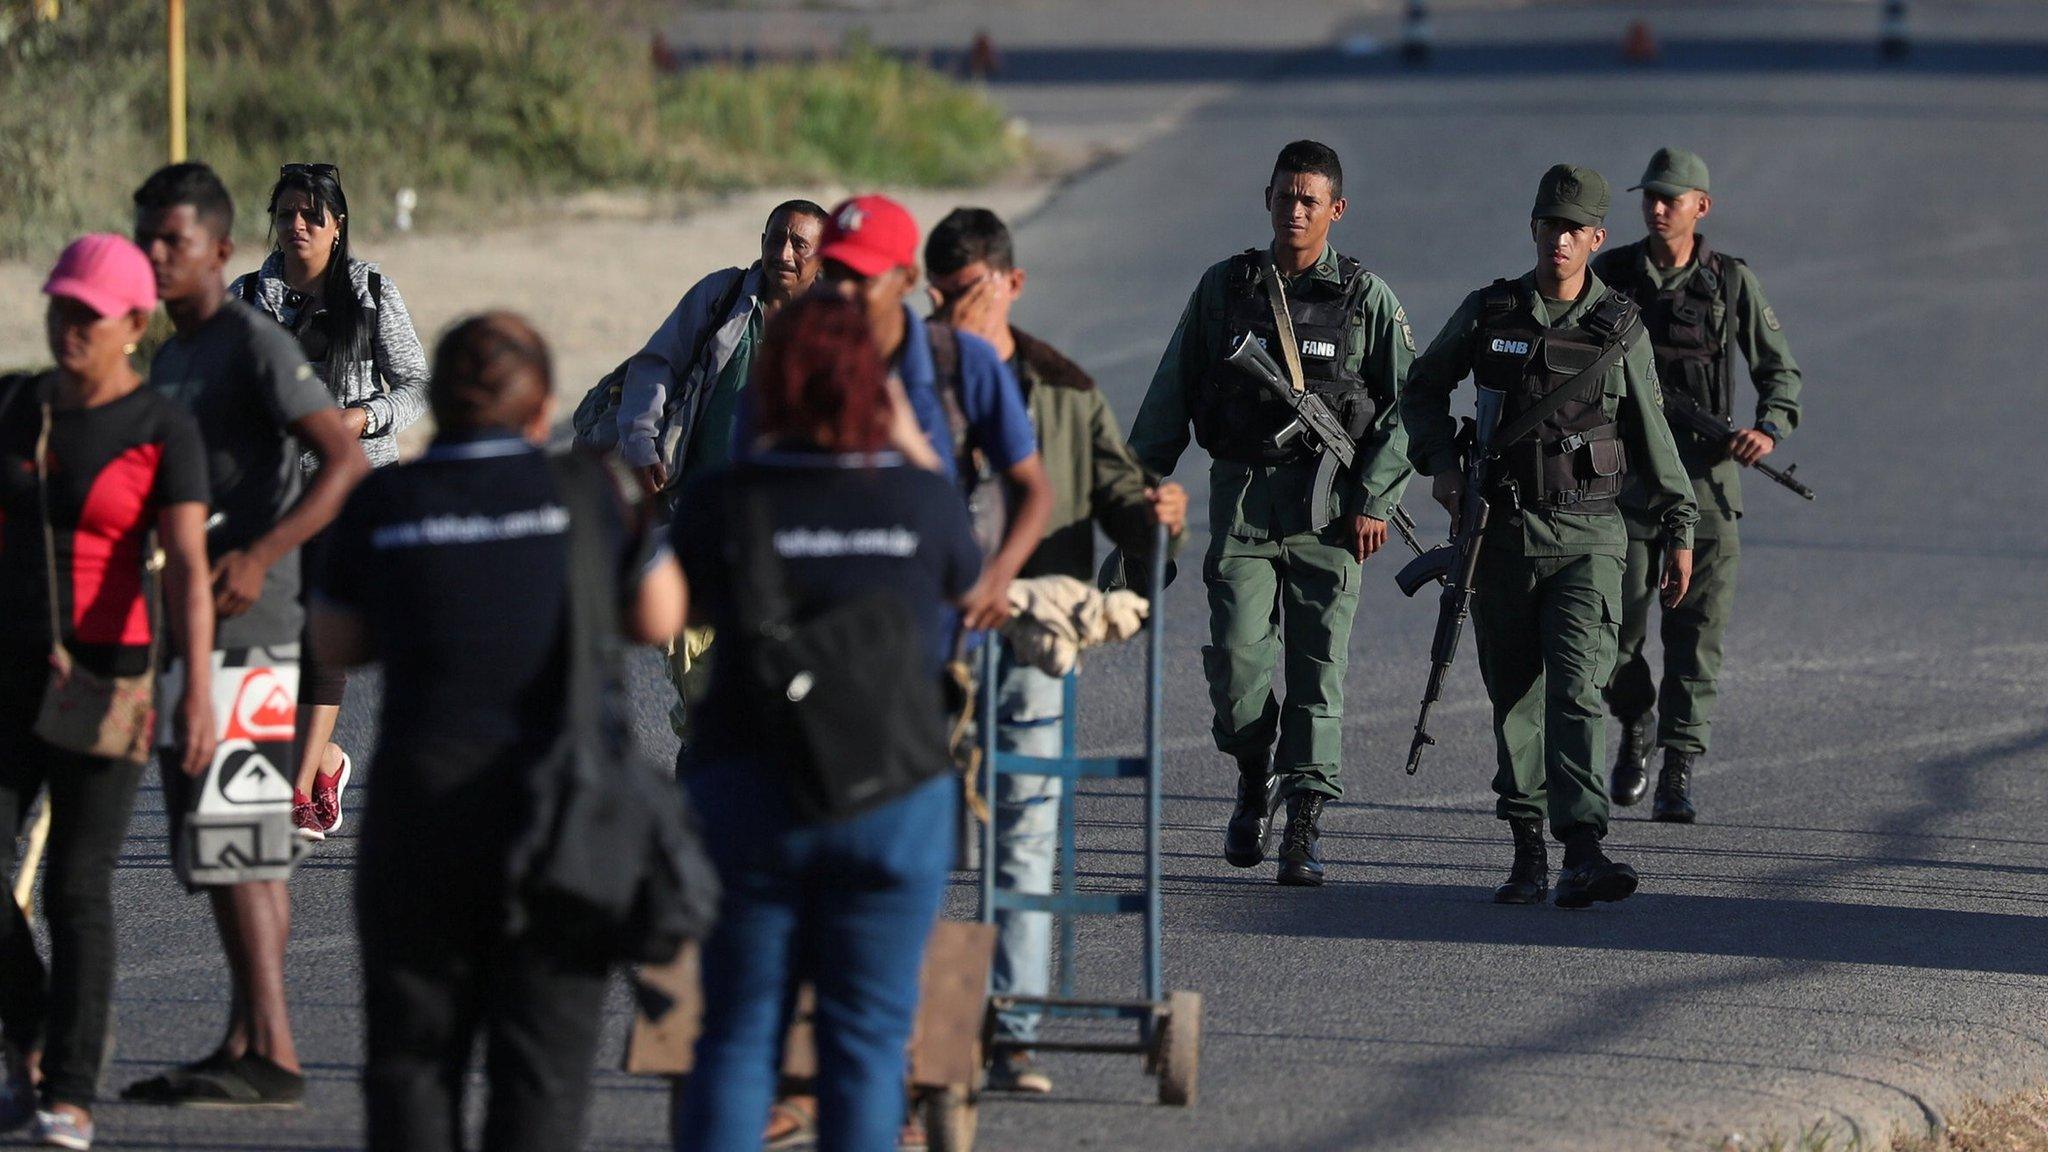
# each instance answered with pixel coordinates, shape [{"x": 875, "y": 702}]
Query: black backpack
[{"x": 840, "y": 699}]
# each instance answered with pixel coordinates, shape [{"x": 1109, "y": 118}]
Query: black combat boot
[
  {"x": 1631, "y": 776},
  {"x": 1673, "y": 802},
  {"x": 1588, "y": 876},
  {"x": 1300, "y": 865},
  {"x": 1244, "y": 840},
  {"x": 1529, "y": 879}
]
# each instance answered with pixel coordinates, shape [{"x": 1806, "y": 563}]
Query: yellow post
[{"x": 176, "y": 52}]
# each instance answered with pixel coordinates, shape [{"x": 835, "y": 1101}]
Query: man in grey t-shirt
[
  {"x": 245, "y": 379},
  {"x": 257, "y": 403}
]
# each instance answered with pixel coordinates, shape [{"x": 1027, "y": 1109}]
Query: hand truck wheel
[
  {"x": 950, "y": 1118},
  {"x": 1179, "y": 1048}
]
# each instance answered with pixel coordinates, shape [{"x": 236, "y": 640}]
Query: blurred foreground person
[
  {"x": 90, "y": 463},
  {"x": 356, "y": 333},
  {"x": 831, "y": 566},
  {"x": 481, "y": 685}
]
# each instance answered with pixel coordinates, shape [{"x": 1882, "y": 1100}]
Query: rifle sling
[
  {"x": 1283, "y": 326},
  {"x": 1563, "y": 394}
]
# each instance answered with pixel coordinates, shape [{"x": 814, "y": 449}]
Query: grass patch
[
  {"x": 2016, "y": 1124},
  {"x": 478, "y": 104}
]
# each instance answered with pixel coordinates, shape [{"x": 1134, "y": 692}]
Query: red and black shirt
[{"x": 112, "y": 469}]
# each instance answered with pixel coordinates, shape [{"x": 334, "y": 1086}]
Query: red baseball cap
[
  {"x": 106, "y": 273},
  {"x": 870, "y": 234}
]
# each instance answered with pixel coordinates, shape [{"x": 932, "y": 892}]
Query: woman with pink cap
[{"x": 90, "y": 463}]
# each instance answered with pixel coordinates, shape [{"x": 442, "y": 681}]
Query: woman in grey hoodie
[{"x": 357, "y": 334}]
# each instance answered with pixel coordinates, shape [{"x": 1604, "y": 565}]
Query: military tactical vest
[
  {"x": 1574, "y": 460},
  {"x": 1693, "y": 352},
  {"x": 1234, "y": 417}
]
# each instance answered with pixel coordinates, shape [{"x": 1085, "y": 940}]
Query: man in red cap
[{"x": 957, "y": 386}]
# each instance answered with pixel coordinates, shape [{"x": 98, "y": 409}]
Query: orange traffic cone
[{"x": 1638, "y": 45}]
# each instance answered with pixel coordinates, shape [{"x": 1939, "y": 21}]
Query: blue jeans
[
  {"x": 846, "y": 906},
  {"x": 1029, "y": 707}
]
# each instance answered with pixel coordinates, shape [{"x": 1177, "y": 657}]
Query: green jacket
[
  {"x": 1095, "y": 480},
  {"x": 1717, "y": 479},
  {"x": 1262, "y": 502},
  {"x": 1631, "y": 397}
]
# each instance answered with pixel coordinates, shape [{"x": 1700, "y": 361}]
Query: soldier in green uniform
[
  {"x": 1700, "y": 306},
  {"x": 1549, "y": 581},
  {"x": 1283, "y": 565}
]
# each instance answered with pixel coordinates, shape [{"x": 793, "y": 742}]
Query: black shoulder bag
[
  {"x": 608, "y": 858},
  {"x": 840, "y": 699}
]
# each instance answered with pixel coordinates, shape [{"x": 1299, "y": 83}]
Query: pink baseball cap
[
  {"x": 106, "y": 273},
  {"x": 870, "y": 234}
]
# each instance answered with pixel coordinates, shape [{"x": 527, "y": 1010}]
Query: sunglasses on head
[{"x": 309, "y": 170}]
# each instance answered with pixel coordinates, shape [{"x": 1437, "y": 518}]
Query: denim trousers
[
  {"x": 846, "y": 906},
  {"x": 1029, "y": 708}
]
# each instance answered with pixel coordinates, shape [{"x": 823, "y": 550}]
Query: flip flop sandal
[{"x": 798, "y": 1125}]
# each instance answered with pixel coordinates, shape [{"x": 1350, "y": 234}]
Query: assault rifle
[
  {"x": 1312, "y": 418},
  {"x": 1455, "y": 563},
  {"x": 1684, "y": 411}
]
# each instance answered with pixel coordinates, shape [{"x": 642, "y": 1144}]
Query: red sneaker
[
  {"x": 327, "y": 791},
  {"x": 304, "y": 821}
]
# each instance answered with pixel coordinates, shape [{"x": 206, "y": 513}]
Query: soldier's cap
[
  {"x": 1673, "y": 172},
  {"x": 1569, "y": 192},
  {"x": 871, "y": 235}
]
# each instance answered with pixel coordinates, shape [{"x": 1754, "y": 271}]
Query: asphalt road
[{"x": 1853, "y": 934}]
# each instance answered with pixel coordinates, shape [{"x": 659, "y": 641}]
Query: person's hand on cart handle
[
  {"x": 987, "y": 605},
  {"x": 1169, "y": 506}
]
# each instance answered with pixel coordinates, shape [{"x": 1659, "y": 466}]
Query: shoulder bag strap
[
  {"x": 720, "y": 313},
  {"x": 59, "y": 655},
  {"x": 592, "y": 582},
  {"x": 750, "y": 531}
]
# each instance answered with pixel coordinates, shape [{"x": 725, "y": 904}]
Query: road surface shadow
[{"x": 1676, "y": 922}]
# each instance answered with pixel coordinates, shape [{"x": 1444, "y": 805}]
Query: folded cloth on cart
[{"x": 1053, "y": 618}]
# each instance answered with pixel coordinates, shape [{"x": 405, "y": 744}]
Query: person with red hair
[{"x": 833, "y": 841}]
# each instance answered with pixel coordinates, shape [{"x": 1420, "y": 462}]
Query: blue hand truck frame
[{"x": 1168, "y": 1024}]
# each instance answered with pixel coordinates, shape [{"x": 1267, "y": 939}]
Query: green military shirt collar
[
  {"x": 1595, "y": 289},
  {"x": 1666, "y": 279},
  {"x": 1325, "y": 268}
]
